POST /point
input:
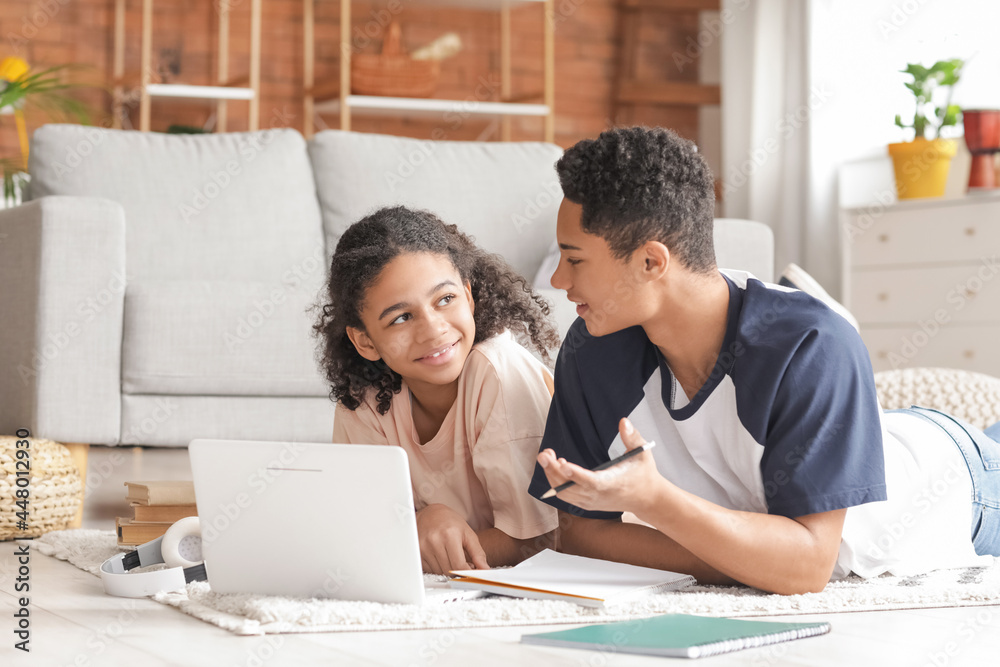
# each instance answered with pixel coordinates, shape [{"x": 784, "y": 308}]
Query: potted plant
[
  {"x": 922, "y": 165},
  {"x": 46, "y": 90}
]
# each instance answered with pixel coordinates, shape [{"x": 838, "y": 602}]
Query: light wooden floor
[{"x": 74, "y": 623}]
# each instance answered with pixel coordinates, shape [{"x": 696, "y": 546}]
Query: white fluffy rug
[{"x": 260, "y": 614}]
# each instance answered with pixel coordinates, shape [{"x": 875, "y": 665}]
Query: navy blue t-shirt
[{"x": 788, "y": 423}]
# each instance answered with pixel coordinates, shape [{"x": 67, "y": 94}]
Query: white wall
[
  {"x": 857, "y": 49},
  {"x": 844, "y": 100}
]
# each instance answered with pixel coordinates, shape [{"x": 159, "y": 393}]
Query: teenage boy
[{"x": 774, "y": 465}]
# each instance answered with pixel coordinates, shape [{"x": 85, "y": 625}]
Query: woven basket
[
  {"x": 393, "y": 73},
  {"x": 54, "y": 488}
]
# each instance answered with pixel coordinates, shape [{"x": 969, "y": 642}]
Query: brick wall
[{"x": 48, "y": 32}]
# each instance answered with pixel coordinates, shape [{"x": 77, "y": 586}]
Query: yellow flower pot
[{"x": 921, "y": 166}]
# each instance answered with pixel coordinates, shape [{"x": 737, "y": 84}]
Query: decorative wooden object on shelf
[
  {"x": 243, "y": 88},
  {"x": 337, "y": 99},
  {"x": 392, "y": 72}
]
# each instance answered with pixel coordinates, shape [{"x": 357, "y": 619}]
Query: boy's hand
[
  {"x": 447, "y": 542},
  {"x": 626, "y": 487}
]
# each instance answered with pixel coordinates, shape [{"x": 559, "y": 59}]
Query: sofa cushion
[
  {"x": 506, "y": 195},
  {"x": 219, "y": 338},
  {"x": 238, "y": 206}
]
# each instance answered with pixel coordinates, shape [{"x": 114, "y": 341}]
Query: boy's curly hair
[
  {"x": 503, "y": 298},
  {"x": 639, "y": 184}
]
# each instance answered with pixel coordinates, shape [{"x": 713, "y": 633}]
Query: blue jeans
[{"x": 981, "y": 450}]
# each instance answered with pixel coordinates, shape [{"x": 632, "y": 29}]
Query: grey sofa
[{"x": 157, "y": 288}]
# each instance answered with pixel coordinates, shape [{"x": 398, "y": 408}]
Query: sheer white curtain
[{"x": 770, "y": 106}]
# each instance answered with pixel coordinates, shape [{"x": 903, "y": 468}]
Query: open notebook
[{"x": 590, "y": 582}]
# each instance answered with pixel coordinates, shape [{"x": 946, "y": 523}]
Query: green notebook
[{"x": 677, "y": 635}]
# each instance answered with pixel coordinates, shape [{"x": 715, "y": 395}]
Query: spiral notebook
[
  {"x": 677, "y": 635},
  {"x": 591, "y": 582}
]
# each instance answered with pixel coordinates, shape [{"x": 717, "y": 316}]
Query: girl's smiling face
[{"x": 418, "y": 318}]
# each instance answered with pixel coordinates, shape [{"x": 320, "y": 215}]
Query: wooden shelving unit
[
  {"x": 630, "y": 91},
  {"x": 338, "y": 100},
  {"x": 226, "y": 89}
]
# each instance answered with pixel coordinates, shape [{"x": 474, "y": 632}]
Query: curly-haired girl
[{"x": 419, "y": 351}]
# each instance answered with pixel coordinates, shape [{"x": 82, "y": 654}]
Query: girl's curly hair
[{"x": 503, "y": 298}]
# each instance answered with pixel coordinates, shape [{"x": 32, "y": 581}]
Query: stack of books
[{"x": 155, "y": 506}]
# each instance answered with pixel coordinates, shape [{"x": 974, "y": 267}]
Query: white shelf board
[
  {"x": 199, "y": 92},
  {"x": 375, "y": 105}
]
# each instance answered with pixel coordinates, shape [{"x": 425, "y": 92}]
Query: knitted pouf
[
  {"x": 973, "y": 397},
  {"x": 53, "y": 490}
]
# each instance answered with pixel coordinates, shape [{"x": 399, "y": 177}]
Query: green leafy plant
[
  {"x": 45, "y": 90},
  {"x": 926, "y": 81}
]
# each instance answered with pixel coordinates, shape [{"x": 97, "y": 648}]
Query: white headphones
[{"x": 179, "y": 548}]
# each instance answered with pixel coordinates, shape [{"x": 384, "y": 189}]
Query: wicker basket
[
  {"x": 54, "y": 488},
  {"x": 393, "y": 73}
]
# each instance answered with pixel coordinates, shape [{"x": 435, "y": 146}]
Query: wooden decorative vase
[{"x": 982, "y": 136}]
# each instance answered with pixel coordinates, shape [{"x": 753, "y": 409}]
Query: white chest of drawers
[{"x": 923, "y": 279}]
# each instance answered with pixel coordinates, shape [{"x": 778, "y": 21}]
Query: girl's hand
[
  {"x": 447, "y": 542},
  {"x": 629, "y": 486}
]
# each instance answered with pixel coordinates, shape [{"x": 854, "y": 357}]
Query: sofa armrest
[{"x": 62, "y": 271}]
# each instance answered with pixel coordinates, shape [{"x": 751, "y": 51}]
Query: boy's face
[
  {"x": 604, "y": 288},
  {"x": 418, "y": 318}
]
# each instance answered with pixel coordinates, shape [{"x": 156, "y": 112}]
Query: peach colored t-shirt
[{"x": 481, "y": 460}]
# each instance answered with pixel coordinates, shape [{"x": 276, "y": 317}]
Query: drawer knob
[
  {"x": 970, "y": 293},
  {"x": 882, "y": 354},
  {"x": 883, "y": 238},
  {"x": 883, "y": 296},
  {"x": 969, "y": 354},
  {"x": 970, "y": 231}
]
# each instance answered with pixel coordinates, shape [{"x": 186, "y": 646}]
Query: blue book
[{"x": 677, "y": 635}]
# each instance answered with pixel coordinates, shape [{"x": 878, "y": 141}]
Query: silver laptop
[{"x": 305, "y": 519}]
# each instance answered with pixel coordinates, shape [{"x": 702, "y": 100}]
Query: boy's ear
[
  {"x": 363, "y": 344},
  {"x": 656, "y": 259}
]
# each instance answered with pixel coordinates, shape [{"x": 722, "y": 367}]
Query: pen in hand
[{"x": 604, "y": 466}]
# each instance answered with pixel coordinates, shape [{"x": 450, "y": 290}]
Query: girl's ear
[
  {"x": 468, "y": 295},
  {"x": 363, "y": 344}
]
